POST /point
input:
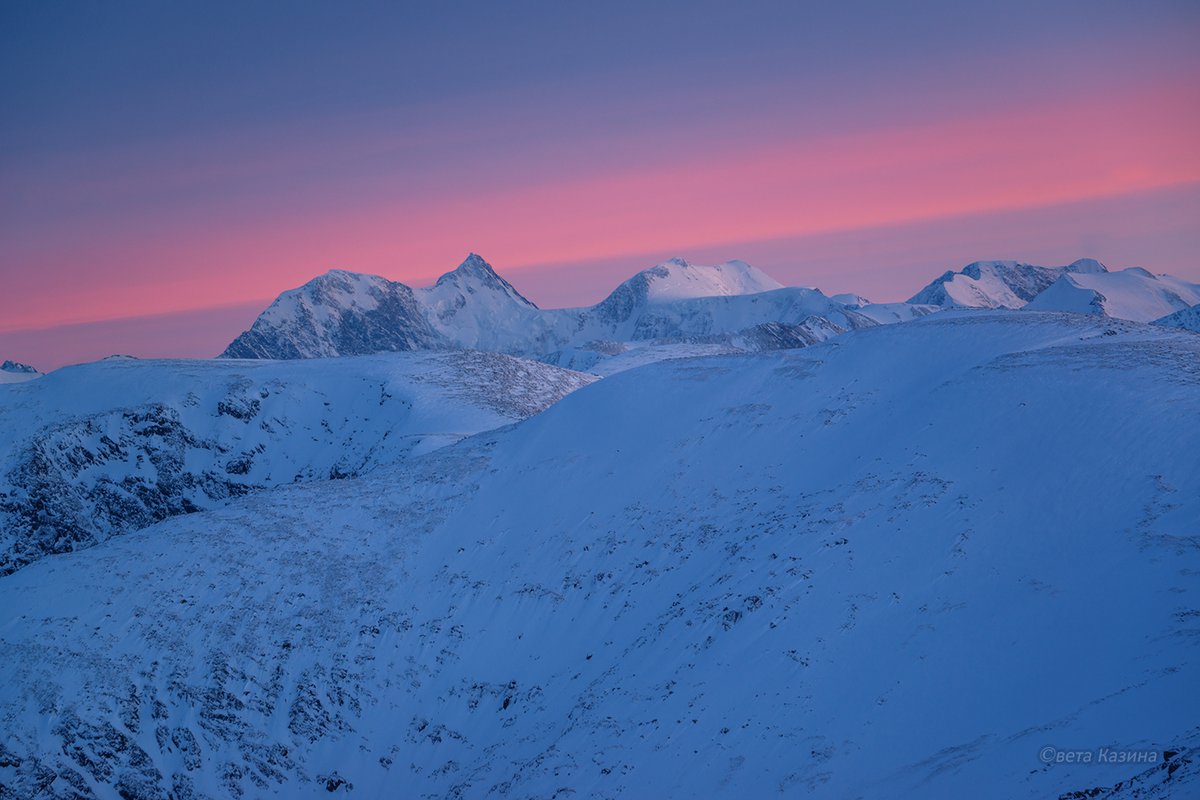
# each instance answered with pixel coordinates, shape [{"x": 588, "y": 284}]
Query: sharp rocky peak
[{"x": 473, "y": 265}]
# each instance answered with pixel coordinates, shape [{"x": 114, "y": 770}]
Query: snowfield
[
  {"x": 899, "y": 563},
  {"x": 100, "y": 449}
]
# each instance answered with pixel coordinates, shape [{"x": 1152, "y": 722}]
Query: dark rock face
[
  {"x": 389, "y": 319},
  {"x": 69, "y": 482},
  {"x": 627, "y": 298},
  {"x": 52, "y": 507}
]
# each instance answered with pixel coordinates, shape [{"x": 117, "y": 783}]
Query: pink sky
[{"x": 1050, "y": 154}]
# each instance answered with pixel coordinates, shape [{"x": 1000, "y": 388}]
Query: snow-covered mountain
[
  {"x": 473, "y": 307},
  {"x": 1083, "y": 287},
  {"x": 1188, "y": 319},
  {"x": 852, "y": 570},
  {"x": 339, "y": 313},
  {"x": 732, "y": 306},
  {"x": 679, "y": 279},
  {"x": 94, "y": 450},
  {"x": 16, "y": 372},
  {"x": 1132, "y": 293},
  {"x": 997, "y": 284}
]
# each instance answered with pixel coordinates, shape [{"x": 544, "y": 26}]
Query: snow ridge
[
  {"x": 997, "y": 284},
  {"x": 1133, "y": 294}
]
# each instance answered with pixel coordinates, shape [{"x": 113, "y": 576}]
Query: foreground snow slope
[
  {"x": 896, "y": 564},
  {"x": 102, "y": 448}
]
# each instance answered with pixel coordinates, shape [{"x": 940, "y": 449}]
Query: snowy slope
[
  {"x": 99, "y": 449},
  {"x": 1132, "y": 293},
  {"x": 1082, "y": 287},
  {"x": 675, "y": 302},
  {"x": 997, "y": 284},
  {"x": 1188, "y": 319},
  {"x": 853, "y": 570}
]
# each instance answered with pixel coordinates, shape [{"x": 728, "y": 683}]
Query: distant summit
[
  {"x": 18, "y": 368},
  {"x": 1133, "y": 294},
  {"x": 672, "y": 309},
  {"x": 1082, "y": 287},
  {"x": 16, "y": 372},
  {"x": 679, "y": 279},
  {"x": 997, "y": 284},
  {"x": 337, "y": 314}
]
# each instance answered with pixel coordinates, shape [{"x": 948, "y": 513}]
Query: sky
[{"x": 166, "y": 169}]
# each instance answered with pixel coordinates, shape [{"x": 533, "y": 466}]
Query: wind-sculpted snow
[
  {"x": 101, "y": 449},
  {"x": 901, "y": 563}
]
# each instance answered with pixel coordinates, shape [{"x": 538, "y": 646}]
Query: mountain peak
[
  {"x": 476, "y": 273},
  {"x": 679, "y": 279},
  {"x": 474, "y": 265},
  {"x": 1085, "y": 265},
  {"x": 474, "y": 262}
]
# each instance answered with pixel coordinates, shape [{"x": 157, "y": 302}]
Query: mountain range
[
  {"x": 674, "y": 308},
  {"x": 1084, "y": 287}
]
